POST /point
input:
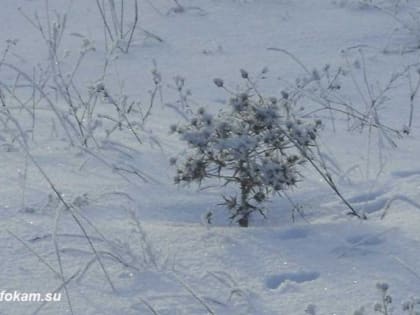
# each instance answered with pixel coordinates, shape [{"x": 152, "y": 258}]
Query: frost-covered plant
[
  {"x": 113, "y": 14},
  {"x": 119, "y": 34},
  {"x": 257, "y": 145},
  {"x": 384, "y": 306},
  {"x": 412, "y": 306},
  {"x": 350, "y": 92},
  {"x": 84, "y": 111},
  {"x": 182, "y": 106}
]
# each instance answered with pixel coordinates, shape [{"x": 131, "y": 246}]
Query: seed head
[
  {"x": 218, "y": 82},
  {"x": 244, "y": 74}
]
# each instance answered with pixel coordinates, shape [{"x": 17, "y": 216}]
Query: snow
[{"x": 152, "y": 236}]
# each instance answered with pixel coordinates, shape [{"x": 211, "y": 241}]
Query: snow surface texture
[{"x": 152, "y": 236}]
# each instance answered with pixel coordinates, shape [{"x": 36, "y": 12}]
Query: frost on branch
[{"x": 256, "y": 144}]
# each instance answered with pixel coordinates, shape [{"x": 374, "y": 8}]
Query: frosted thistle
[{"x": 254, "y": 145}]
